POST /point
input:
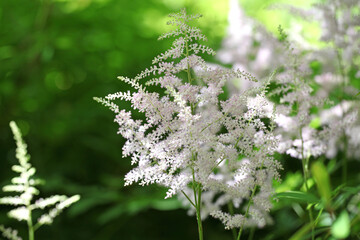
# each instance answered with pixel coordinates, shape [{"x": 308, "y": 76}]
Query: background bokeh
[{"x": 55, "y": 56}]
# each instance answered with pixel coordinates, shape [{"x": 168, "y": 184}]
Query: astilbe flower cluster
[
  {"x": 296, "y": 101},
  {"x": 212, "y": 152},
  {"x": 301, "y": 93},
  {"x": 24, "y": 186},
  {"x": 339, "y": 59},
  {"x": 342, "y": 32},
  {"x": 317, "y": 117},
  {"x": 340, "y": 20}
]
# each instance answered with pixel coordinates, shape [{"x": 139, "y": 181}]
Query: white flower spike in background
[{"x": 25, "y": 187}]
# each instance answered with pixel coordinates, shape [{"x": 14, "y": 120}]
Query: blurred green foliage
[
  {"x": 271, "y": 13},
  {"x": 55, "y": 56}
]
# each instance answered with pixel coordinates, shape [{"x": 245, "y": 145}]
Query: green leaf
[
  {"x": 322, "y": 181},
  {"x": 133, "y": 206},
  {"x": 297, "y": 196},
  {"x": 352, "y": 190},
  {"x": 166, "y": 204},
  {"x": 341, "y": 227},
  {"x": 315, "y": 123},
  {"x": 299, "y": 235},
  {"x": 346, "y": 193}
]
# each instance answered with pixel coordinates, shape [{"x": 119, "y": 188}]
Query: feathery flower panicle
[
  {"x": 25, "y": 187},
  {"x": 339, "y": 22},
  {"x": 297, "y": 98},
  {"x": 191, "y": 142},
  {"x": 340, "y": 25},
  {"x": 310, "y": 127}
]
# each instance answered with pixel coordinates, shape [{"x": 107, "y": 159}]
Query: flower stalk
[{"x": 306, "y": 173}]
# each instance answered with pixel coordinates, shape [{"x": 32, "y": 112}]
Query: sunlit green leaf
[
  {"x": 341, "y": 227},
  {"x": 315, "y": 123},
  {"x": 291, "y": 181},
  {"x": 299, "y": 197},
  {"x": 322, "y": 180},
  {"x": 299, "y": 235}
]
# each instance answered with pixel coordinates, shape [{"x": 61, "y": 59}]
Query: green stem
[
  {"x": 37, "y": 226},
  {"x": 196, "y": 185},
  {"x": 355, "y": 220},
  {"x": 188, "y": 63},
  {"x": 343, "y": 73},
  {"x": 213, "y": 122},
  {"x": 29, "y": 208},
  {"x": 197, "y": 200},
  {"x": 247, "y": 211},
  {"x": 198, "y": 214},
  {"x": 344, "y": 159},
  {"x": 252, "y": 233},
  {"x": 312, "y": 221},
  {"x": 197, "y": 204},
  {"x": 231, "y": 211},
  {"x": 217, "y": 164},
  {"x": 30, "y": 223},
  {"x": 31, "y": 232},
  {"x": 250, "y": 200},
  {"x": 305, "y": 164},
  {"x": 191, "y": 202}
]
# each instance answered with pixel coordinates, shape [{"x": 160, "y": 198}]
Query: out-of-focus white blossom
[
  {"x": 248, "y": 46},
  {"x": 308, "y": 145},
  {"x": 9, "y": 233},
  {"x": 63, "y": 202},
  {"x": 25, "y": 186},
  {"x": 20, "y": 214},
  {"x": 340, "y": 26},
  {"x": 342, "y": 121}
]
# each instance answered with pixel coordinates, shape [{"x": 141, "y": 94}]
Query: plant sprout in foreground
[{"x": 25, "y": 187}]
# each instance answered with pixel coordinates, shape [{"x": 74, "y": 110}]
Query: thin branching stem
[
  {"x": 198, "y": 213},
  {"x": 249, "y": 204},
  {"x": 192, "y": 203},
  {"x": 231, "y": 211},
  {"x": 30, "y": 227},
  {"x": 305, "y": 165},
  {"x": 188, "y": 62},
  {"x": 342, "y": 96},
  {"x": 247, "y": 211},
  {"x": 196, "y": 186}
]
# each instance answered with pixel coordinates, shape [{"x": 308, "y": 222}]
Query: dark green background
[{"x": 55, "y": 56}]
